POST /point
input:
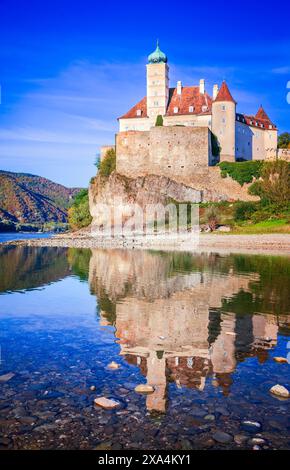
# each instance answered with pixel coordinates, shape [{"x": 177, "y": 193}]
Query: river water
[{"x": 201, "y": 329}]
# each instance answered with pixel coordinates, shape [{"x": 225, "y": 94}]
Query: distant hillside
[{"x": 31, "y": 199}]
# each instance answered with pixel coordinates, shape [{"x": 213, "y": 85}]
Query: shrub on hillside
[
  {"x": 79, "y": 214},
  {"x": 108, "y": 164},
  {"x": 244, "y": 210},
  {"x": 274, "y": 185},
  {"x": 242, "y": 172}
]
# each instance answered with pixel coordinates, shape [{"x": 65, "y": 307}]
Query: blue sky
[{"x": 69, "y": 69}]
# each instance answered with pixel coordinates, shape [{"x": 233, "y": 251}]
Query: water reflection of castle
[{"x": 173, "y": 319}]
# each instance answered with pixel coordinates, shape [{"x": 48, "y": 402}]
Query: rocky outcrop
[{"x": 153, "y": 189}]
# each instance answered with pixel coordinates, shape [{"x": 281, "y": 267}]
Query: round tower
[
  {"x": 157, "y": 84},
  {"x": 224, "y": 123}
]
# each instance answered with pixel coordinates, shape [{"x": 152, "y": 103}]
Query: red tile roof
[
  {"x": 261, "y": 114},
  {"x": 224, "y": 94},
  {"x": 190, "y": 96},
  {"x": 253, "y": 121},
  {"x": 132, "y": 113}
]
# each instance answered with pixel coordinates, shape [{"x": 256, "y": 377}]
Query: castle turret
[
  {"x": 224, "y": 122},
  {"x": 157, "y": 84}
]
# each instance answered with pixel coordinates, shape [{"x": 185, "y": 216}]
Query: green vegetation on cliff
[
  {"x": 269, "y": 214},
  {"x": 242, "y": 172},
  {"x": 108, "y": 164},
  {"x": 79, "y": 213}
]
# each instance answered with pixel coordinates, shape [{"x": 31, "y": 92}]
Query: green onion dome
[{"x": 157, "y": 56}]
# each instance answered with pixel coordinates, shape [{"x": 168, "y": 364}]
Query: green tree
[
  {"x": 159, "y": 121},
  {"x": 284, "y": 140},
  {"x": 108, "y": 164},
  {"x": 79, "y": 213},
  {"x": 274, "y": 185}
]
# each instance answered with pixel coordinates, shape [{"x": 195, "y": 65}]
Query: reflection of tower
[
  {"x": 223, "y": 350},
  {"x": 156, "y": 375},
  {"x": 169, "y": 334},
  {"x": 170, "y": 317}
]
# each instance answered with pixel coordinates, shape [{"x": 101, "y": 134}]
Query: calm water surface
[
  {"x": 7, "y": 237},
  {"x": 202, "y": 329}
]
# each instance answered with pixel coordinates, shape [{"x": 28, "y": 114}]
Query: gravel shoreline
[{"x": 253, "y": 244}]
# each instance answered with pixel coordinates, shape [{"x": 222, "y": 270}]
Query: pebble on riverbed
[
  {"x": 106, "y": 403},
  {"x": 280, "y": 391},
  {"x": 222, "y": 437},
  {"x": 143, "y": 388},
  {"x": 251, "y": 426},
  {"x": 6, "y": 377},
  {"x": 113, "y": 365},
  {"x": 280, "y": 360}
]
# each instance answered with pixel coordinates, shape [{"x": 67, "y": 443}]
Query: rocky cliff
[{"x": 153, "y": 189}]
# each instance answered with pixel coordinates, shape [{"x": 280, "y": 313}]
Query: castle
[{"x": 198, "y": 129}]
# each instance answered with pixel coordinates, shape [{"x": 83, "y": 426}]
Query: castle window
[
  {"x": 270, "y": 127},
  {"x": 155, "y": 103},
  {"x": 175, "y": 110},
  {"x": 204, "y": 109},
  {"x": 223, "y": 108},
  {"x": 190, "y": 109},
  {"x": 138, "y": 112},
  {"x": 224, "y": 121}
]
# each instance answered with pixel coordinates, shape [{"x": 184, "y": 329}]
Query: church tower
[
  {"x": 157, "y": 84},
  {"x": 224, "y": 123}
]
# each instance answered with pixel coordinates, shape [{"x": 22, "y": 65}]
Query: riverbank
[{"x": 223, "y": 243}]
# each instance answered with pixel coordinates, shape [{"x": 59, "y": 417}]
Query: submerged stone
[
  {"x": 6, "y": 377},
  {"x": 113, "y": 365},
  {"x": 222, "y": 437},
  {"x": 280, "y": 391},
  {"x": 106, "y": 403},
  {"x": 280, "y": 360},
  {"x": 240, "y": 439},
  {"x": 143, "y": 388},
  {"x": 251, "y": 426}
]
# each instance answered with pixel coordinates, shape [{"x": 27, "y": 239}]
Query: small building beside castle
[{"x": 198, "y": 129}]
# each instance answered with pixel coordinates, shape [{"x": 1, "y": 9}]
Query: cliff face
[{"x": 152, "y": 189}]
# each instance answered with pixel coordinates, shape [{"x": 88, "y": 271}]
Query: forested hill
[{"x": 31, "y": 199}]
